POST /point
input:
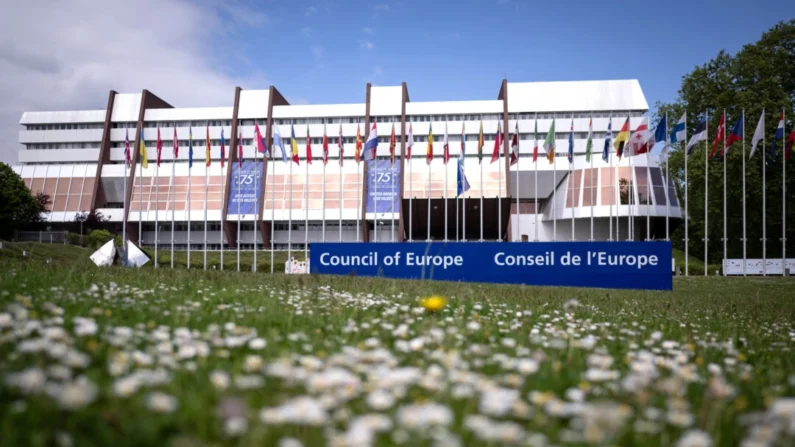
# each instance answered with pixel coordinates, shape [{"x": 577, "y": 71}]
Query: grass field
[{"x": 116, "y": 356}]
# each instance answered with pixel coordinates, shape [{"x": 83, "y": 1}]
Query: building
[{"x": 78, "y": 158}]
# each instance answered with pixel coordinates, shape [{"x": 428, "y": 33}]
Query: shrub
[{"x": 98, "y": 237}]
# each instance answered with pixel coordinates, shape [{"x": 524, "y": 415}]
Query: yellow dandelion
[{"x": 433, "y": 303}]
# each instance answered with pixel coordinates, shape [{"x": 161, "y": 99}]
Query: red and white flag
[
  {"x": 515, "y": 145},
  {"x": 410, "y": 142},
  {"x": 642, "y": 140},
  {"x": 446, "y": 146},
  {"x": 159, "y": 146},
  {"x": 720, "y": 135},
  {"x": 176, "y": 146},
  {"x": 325, "y": 146},
  {"x": 341, "y": 145}
]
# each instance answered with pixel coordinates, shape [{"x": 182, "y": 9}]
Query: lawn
[{"x": 114, "y": 356}]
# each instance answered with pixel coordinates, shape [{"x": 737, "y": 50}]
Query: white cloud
[
  {"x": 310, "y": 11},
  {"x": 75, "y": 52},
  {"x": 366, "y": 44},
  {"x": 367, "y": 30}
]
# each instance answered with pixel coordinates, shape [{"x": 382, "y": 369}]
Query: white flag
[{"x": 759, "y": 134}]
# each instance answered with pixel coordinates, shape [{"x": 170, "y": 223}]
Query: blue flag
[
  {"x": 608, "y": 137},
  {"x": 570, "y": 155},
  {"x": 190, "y": 147},
  {"x": 463, "y": 184},
  {"x": 661, "y": 131}
]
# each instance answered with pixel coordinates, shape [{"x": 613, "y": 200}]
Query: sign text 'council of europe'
[{"x": 620, "y": 265}]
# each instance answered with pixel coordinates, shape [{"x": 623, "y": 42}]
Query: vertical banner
[
  {"x": 243, "y": 187},
  {"x": 383, "y": 188}
]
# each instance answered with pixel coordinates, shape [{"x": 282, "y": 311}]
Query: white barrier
[
  {"x": 732, "y": 267},
  {"x": 296, "y": 267}
]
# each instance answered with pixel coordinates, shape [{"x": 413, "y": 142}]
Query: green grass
[{"x": 518, "y": 356}]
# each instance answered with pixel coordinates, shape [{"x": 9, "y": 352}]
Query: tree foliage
[
  {"x": 19, "y": 209},
  {"x": 759, "y": 77}
]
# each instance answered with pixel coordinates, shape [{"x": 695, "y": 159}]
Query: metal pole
[
  {"x": 764, "y": 205},
  {"x": 257, "y": 174},
  {"x": 480, "y": 162},
  {"x": 687, "y": 213},
  {"x": 124, "y": 217},
  {"x": 499, "y": 189},
  {"x": 358, "y": 198},
  {"x": 273, "y": 203},
  {"x": 447, "y": 150},
  {"x": 140, "y": 196},
  {"x": 571, "y": 181},
  {"x": 157, "y": 210},
  {"x": 518, "y": 155},
  {"x": 206, "y": 191},
  {"x": 725, "y": 155},
  {"x": 173, "y": 197},
  {"x": 238, "y": 214},
  {"x": 342, "y": 174},
  {"x": 612, "y": 186},
  {"x": 666, "y": 182},
  {"x": 325, "y": 159},
  {"x": 706, "y": 196},
  {"x": 190, "y": 169},
  {"x": 306, "y": 210},
  {"x": 429, "y": 200},
  {"x": 554, "y": 196},
  {"x": 535, "y": 171},
  {"x": 745, "y": 257},
  {"x": 783, "y": 197},
  {"x": 411, "y": 192},
  {"x": 290, "y": 221},
  {"x": 590, "y": 136}
]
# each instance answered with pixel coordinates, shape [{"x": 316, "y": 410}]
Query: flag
[
  {"x": 480, "y": 143},
  {"x": 392, "y": 144},
  {"x": 308, "y": 147},
  {"x": 790, "y": 144},
  {"x": 621, "y": 139},
  {"x": 720, "y": 134},
  {"x": 294, "y": 145},
  {"x": 549, "y": 143},
  {"x": 142, "y": 146},
  {"x": 371, "y": 145},
  {"x": 445, "y": 146},
  {"x": 737, "y": 133},
  {"x": 608, "y": 137},
  {"x": 535, "y": 142},
  {"x": 700, "y": 135},
  {"x": 759, "y": 134},
  {"x": 462, "y": 154},
  {"x": 589, "y": 143},
  {"x": 429, "y": 147},
  {"x": 190, "y": 147},
  {"x": 159, "y": 146},
  {"x": 461, "y": 180},
  {"x": 277, "y": 142},
  {"x": 325, "y": 146},
  {"x": 357, "y": 154},
  {"x": 779, "y": 135},
  {"x": 680, "y": 130},
  {"x": 410, "y": 142},
  {"x": 207, "y": 159},
  {"x": 260, "y": 141},
  {"x": 570, "y": 155},
  {"x": 127, "y": 147},
  {"x": 223, "y": 148},
  {"x": 239, "y": 149},
  {"x": 175, "y": 148},
  {"x": 515, "y": 145},
  {"x": 495, "y": 154},
  {"x": 642, "y": 140},
  {"x": 341, "y": 145},
  {"x": 662, "y": 130}
]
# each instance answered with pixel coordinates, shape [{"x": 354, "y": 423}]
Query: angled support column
[
  {"x": 98, "y": 199},
  {"x": 231, "y": 230}
]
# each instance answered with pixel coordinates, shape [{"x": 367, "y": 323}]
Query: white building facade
[{"x": 78, "y": 158}]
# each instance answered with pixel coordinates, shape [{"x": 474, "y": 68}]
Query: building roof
[{"x": 576, "y": 96}]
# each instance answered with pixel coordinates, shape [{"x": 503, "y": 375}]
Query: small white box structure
[
  {"x": 105, "y": 255},
  {"x": 771, "y": 267}
]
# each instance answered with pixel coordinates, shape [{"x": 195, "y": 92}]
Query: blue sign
[
  {"x": 383, "y": 186},
  {"x": 244, "y": 188},
  {"x": 616, "y": 265}
]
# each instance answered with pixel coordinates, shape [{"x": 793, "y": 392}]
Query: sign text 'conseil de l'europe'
[{"x": 624, "y": 265}]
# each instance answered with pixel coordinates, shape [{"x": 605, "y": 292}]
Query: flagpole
[
  {"x": 430, "y": 135},
  {"x": 464, "y": 199},
  {"x": 140, "y": 194},
  {"x": 375, "y": 193},
  {"x": 342, "y": 174},
  {"x": 571, "y": 177},
  {"x": 190, "y": 171},
  {"x": 499, "y": 194},
  {"x": 445, "y": 157},
  {"x": 725, "y": 155},
  {"x": 649, "y": 200},
  {"x": 392, "y": 192},
  {"x": 221, "y": 233},
  {"x": 358, "y": 199},
  {"x": 535, "y": 171},
  {"x": 325, "y": 159},
  {"x": 706, "y": 195},
  {"x": 590, "y": 155},
  {"x": 687, "y": 212},
  {"x": 238, "y": 212},
  {"x": 480, "y": 162},
  {"x": 306, "y": 209},
  {"x": 632, "y": 188},
  {"x": 665, "y": 183},
  {"x": 157, "y": 207},
  {"x": 745, "y": 257},
  {"x": 764, "y": 203},
  {"x": 616, "y": 196},
  {"x": 124, "y": 217},
  {"x": 411, "y": 193},
  {"x": 290, "y": 220},
  {"x": 518, "y": 155},
  {"x": 173, "y": 195},
  {"x": 783, "y": 194},
  {"x": 273, "y": 200},
  {"x": 612, "y": 188},
  {"x": 206, "y": 191}
]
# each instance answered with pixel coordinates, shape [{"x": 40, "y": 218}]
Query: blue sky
[{"x": 324, "y": 51}]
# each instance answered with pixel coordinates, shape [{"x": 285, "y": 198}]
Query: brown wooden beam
[{"x": 231, "y": 230}]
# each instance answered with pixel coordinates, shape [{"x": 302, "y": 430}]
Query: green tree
[
  {"x": 759, "y": 77},
  {"x": 19, "y": 209}
]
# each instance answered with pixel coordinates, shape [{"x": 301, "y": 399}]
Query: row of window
[
  {"x": 63, "y": 146},
  {"x": 64, "y": 126},
  {"x": 569, "y": 115},
  {"x": 183, "y": 226}
]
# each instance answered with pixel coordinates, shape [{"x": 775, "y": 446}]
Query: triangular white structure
[
  {"x": 135, "y": 257},
  {"x": 105, "y": 255}
]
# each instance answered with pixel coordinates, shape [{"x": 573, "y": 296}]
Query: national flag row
[{"x": 642, "y": 141}]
